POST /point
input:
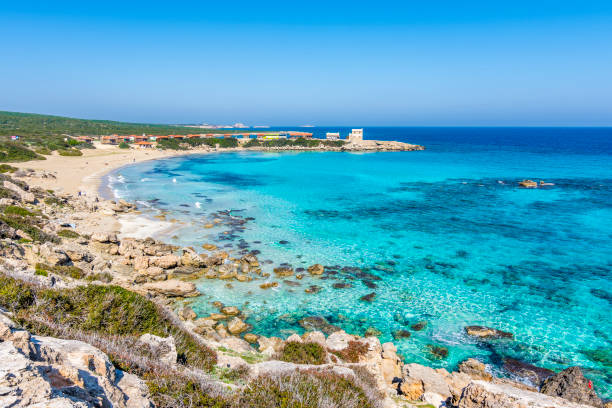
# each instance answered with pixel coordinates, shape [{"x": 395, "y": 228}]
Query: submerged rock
[
  {"x": 534, "y": 374},
  {"x": 419, "y": 326},
  {"x": 401, "y": 334},
  {"x": 369, "y": 297},
  {"x": 283, "y": 271},
  {"x": 318, "y": 323},
  {"x": 438, "y": 351},
  {"x": 316, "y": 269},
  {"x": 484, "y": 332}
]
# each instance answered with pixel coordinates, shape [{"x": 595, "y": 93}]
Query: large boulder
[
  {"x": 433, "y": 381},
  {"x": 482, "y": 394},
  {"x": 165, "y": 261},
  {"x": 237, "y": 326},
  {"x": 104, "y": 237},
  {"x": 172, "y": 288},
  {"x": 52, "y": 255},
  {"x": 571, "y": 385}
]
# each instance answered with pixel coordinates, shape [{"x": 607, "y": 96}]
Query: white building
[
  {"x": 332, "y": 135},
  {"x": 356, "y": 135}
]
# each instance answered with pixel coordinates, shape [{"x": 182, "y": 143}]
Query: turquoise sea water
[{"x": 443, "y": 236}]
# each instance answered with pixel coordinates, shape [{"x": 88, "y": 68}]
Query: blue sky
[{"x": 324, "y": 63}]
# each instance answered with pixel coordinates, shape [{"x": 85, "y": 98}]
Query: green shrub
[
  {"x": 70, "y": 152},
  {"x": 252, "y": 143},
  {"x": 5, "y": 168},
  {"x": 54, "y": 201},
  {"x": 6, "y": 193},
  {"x": 66, "y": 233},
  {"x": 303, "y": 353},
  {"x": 41, "y": 272},
  {"x": 28, "y": 225},
  {"x": 15, "y": 210},
  {"x": 16, "y": 152},
  {"x": 102, "y": 277},
  {"x": 124, "y": 145},
  {"x": 105, "y": 310},
  {"x": 14, "y": 295},
  {"x": 64, "y": 270},
  {"x": 43, "y": 150}
]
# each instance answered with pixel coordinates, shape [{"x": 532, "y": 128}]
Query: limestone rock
[
  {"x": 475, "y": 369},
  {"x": 482, "y": 394},
  {"x": 187, "y": 313},
  {"x": 237, "y": 326},
  {"x": 230, "y": 311},
  {"x": 316, "y": 269},
  {"x": 412, "y": 389},
  {"x": 571, "y": 385},
  {"x": 251, "y": 338},
  {"x": 165, "y": 261},
  {"x": 314, "y": 337},
  {"x": 41, "y": 372},
  {"x": 52, "y": 255},
  {"x": 338, "y": 340},
  {"x": 283, "y": 271},
  {"x": 104, "y": 237},
  {"x": 270, "y": 345},
  {"x": 172, "y": 288},
  {"x": 432, "y": 380},
  {"x": 163, "y": 348},
  {"x": 23, "y": 195},
  {"x": 484, "y": 332},
  {"x": 295, "y": 338}
]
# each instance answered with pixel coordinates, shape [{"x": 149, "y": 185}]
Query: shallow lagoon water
[{"x": 443, "y": 236}]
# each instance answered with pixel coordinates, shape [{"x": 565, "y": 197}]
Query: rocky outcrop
[
  {"x": 475, "y": 369},
  {"x": 571, "y": 385},
  {"x": 172, "y": 288},
  {"x": 25, "y": 196},
  {"x": 49, "y": 372},
  {"x": 481, "y": 394},
  {"x": 484, "y": 332}
]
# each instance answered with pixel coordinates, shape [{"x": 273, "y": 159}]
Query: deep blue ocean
[{"x": 443, "y": 236}]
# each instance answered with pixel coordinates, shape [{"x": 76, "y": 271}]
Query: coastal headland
[{"x": 117, "y": 308}]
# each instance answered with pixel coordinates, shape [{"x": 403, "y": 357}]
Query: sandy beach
[{"x": 84, "y": 173}]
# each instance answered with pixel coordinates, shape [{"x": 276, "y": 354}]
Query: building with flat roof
[
  {"x": 356, "y": 135},
  {"x": 332, "y": 135}
]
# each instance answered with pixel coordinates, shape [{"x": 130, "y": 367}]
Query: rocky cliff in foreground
[
  {"x": 92, "y": 320},
  {"x": 37, "y": 371}
]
